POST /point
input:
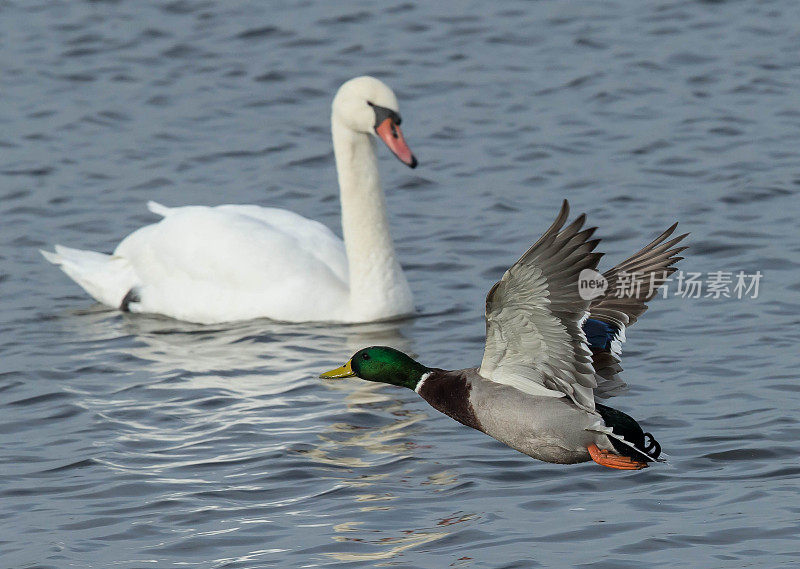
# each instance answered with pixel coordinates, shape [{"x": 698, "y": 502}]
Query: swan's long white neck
[{"x": 377, "y": 284}]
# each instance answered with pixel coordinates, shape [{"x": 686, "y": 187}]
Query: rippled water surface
[{"x": 144, "y": 442}]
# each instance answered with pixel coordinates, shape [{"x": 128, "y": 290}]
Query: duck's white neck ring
[{"x": 422, "y": 379}]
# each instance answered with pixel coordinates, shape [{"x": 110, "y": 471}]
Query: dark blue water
[{"x": 144, "y": 442}]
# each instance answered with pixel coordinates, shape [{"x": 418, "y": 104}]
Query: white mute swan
[{"x": 237, "y": 262}]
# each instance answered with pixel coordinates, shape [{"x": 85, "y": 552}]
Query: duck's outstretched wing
[
  {"x": 636, "y": 280},
  {"x": 630, "y": 286},
  {"x": 534, "y": 340}
]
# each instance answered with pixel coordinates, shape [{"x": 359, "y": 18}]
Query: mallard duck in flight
[{"x": 549, "y": 352}]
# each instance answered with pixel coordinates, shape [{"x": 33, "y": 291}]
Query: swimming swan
[{"x": 237, "y": 262}]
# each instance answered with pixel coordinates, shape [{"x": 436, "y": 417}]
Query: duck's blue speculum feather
[{"x": 599, "y": 334}]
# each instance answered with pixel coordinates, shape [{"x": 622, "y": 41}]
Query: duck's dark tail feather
[
  {"x": 630, "y": 439},
  {"x": 651, "y": 446}
]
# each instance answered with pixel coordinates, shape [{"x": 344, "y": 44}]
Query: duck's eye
[{"x": 364, "y": 356}]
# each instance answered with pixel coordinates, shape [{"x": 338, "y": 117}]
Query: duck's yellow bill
[{"x": 345, "y": 371}]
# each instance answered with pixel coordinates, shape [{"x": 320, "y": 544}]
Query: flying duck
[{"x": 551, "y": 350}]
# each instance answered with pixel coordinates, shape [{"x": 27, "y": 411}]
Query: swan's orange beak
[{"x": 391, "y": 134}]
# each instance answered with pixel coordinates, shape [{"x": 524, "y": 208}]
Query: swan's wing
[
  {"x": 231, "y": 262},
  {"x": 631, "y": 284},
  {"x": 534, "y": 340},
  {"x": 236, "y": 244},
  {"x": 318, "y": 239}
]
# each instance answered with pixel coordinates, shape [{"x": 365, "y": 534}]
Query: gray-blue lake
[{"x": 132, "y": 441}]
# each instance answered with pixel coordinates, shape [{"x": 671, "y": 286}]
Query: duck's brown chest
[{"x": 448, "y": 393}]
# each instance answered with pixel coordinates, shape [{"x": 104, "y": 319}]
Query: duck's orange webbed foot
[{"x": 611, "y": 460}]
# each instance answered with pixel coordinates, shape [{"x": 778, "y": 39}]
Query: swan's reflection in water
[
  {"x": 356, "y": 540},
  {"x": 385, "y": 446},
  {"x": 263, "y": 345},
  {"x": 203, "y": 406},
  {"x": 389, "y": 546},
  {"x": 375, "y": 432},
  {"x": 166, "y": 345}
]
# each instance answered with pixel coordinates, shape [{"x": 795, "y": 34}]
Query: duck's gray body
[{"x": 552, "y": 429}]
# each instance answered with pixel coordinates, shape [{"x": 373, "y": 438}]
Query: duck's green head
[{"x": 381, "y": 364}]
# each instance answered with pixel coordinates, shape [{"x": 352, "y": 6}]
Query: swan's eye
[{"x": 382, "y": 113}]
